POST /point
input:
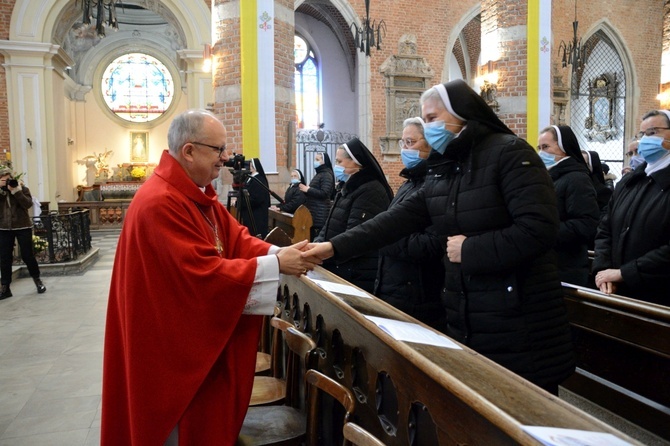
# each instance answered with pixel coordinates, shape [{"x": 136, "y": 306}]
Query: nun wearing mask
[
  {"x": 364, "y": 194},
  {"x": 255, "y": 217},
  {"x": 603, "y": 192},
  {"x": 410, "y": 275},
  {"x": 577, "y": 204},
  {"x": 491, "y": 199},
  {"x": 320, "y": 191},
  {"x": 293, "y": 198},
  {"x": 632, "y": 250}
]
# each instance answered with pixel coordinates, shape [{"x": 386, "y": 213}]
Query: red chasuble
[{"x": 178, "y": 349}]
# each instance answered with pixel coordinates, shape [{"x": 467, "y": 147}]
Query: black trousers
[{"x": 25, "y": 239}]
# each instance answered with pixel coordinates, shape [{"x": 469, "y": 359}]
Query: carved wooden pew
[
  {"x": 297, "y": 225},
  {"x": 417, "y": 394},
  {"x": 623, "y": 356}
]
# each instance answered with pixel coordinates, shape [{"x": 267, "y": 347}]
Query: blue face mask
[
  {"x": 339, "y": 173},
  {"x": 437, "y": 135},
  {"x": 317, "y": 164},
  {"x": 410, "y": 158},
  {"x": 548, "y": 159},
  {"x": 635, "y": 161},
  {"x": 295, "y": 180},
  {"x": 651, "y": 148}
]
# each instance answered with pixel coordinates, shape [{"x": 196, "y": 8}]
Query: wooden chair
[
  {"x": 272, "y": 389},
  {"x": 297, "y": 422},
  {"x": 357, "y": 436}
]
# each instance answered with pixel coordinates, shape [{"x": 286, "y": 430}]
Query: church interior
[{"x": 86, "y": 106}]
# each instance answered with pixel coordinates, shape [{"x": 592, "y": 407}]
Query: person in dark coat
[
  {"x": 632, "y": 249},
  {"x": 320, "y": 192},
  {"x": 576, "y": 198},
  {"x": 603, "y": 193},
  {"x": 256, "y": 184},
  {"x": 410, "y": 274},
  {"x": 493, "y": 202},
  {"x": 364, "y": 194},
  {"x": 293, "y": 197}
]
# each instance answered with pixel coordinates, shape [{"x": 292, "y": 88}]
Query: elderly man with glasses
[
  {"x": 189, "y": 288},
  {"x": 632, "y": 249}
]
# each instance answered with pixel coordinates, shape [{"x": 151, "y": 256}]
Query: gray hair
[
  {"x": 186, "y": 127},
  {"x": 417, "y": 122},
  {"x": 432, "y": 95},
  {"x": 663, "y": 113}
]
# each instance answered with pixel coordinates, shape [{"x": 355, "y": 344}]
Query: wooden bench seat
[{"x": 297, "y": 225}]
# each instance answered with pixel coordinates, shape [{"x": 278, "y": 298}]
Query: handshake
[{"x": 303, "y": 256}]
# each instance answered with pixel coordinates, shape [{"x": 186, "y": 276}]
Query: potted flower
[{"x": 138, "y": 173}]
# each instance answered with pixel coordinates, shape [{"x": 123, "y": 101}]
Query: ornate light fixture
[
  {"x": 370, "y": 34},
  {"x": 573, "y": 53},
  {"x": 87, "y": 7}
]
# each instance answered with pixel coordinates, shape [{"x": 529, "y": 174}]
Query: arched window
[
  {"x": 307, "y": 85},
  {"x": 137, "y": 87}
]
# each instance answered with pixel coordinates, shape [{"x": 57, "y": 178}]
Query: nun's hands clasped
[{"x": 454, "y": 245}]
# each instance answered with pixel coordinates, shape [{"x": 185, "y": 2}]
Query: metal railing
[{"x": 67, "y": 235}]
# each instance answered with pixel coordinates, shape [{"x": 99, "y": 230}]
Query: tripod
[{"x": 242, "y": 202}]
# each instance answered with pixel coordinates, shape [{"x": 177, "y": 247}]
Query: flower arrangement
[
  {"x": 39, "y": 244},
  {"x": 101, "y": 162},
  {"x": 138, "y": 172}
]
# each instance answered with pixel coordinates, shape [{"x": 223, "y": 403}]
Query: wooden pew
[
  {"x": 623, "y": 356},
  {"x": 409, "y": 393},
  {"x": 297, "y": 225}
]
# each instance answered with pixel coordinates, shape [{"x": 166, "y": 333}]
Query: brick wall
[{"x": 6, "y": 7}]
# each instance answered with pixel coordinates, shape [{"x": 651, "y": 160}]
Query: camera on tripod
[{"x": 239, "y": 168}]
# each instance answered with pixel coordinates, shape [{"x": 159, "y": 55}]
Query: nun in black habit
[
  {"x": 491, "y": 199},
  {"x": 364, "y": 194},
  {"x": 576, "y": 199},
  {"x": 255, "y": 213}
]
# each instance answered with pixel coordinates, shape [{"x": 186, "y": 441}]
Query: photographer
[{"x": 15, "y": 222}]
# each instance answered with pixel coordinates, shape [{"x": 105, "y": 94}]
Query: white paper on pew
[
  {"x": 411, "y": 332},
  {"x": 340, "y": 288},
  {"x": 554, "y": 436}
]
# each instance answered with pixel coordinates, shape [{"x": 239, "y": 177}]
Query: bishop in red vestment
[{"x": 180, "y": 347}]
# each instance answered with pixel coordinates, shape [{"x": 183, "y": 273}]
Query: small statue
[{"x": 91, "y": 170}]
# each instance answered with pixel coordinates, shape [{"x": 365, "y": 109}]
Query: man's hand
[
  {"x": 454, "y": 245},
  {"x": 303, "y": 188},
  {"x": 292, "y": 260},
  {"x": 321, "y": 251}
]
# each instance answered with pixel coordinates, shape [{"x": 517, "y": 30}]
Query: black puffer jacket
[
  {"x": 504, "y": 300},
  {"x": 318, "y": 195},
  {"x": 634, "y": 236},
  {"x": 579, "y": 213},
  {"x": 410, "y": 275},
  {"x": 361, "y": 198},
  {"x": 293, "y": 198}
]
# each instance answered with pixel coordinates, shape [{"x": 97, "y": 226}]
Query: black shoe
[
  {"x": 40, "y": 286},
  {"x": 5, "y": 292}
]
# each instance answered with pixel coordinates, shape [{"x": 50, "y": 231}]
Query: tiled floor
[{"x": 51, "y": 356}]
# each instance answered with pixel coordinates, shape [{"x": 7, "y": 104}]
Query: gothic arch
[{"x": 456, "y": 36}]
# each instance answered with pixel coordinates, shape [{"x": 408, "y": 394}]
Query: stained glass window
[
  {"x": 137, "y": 87},
  {"x": 307, "y": 85}
]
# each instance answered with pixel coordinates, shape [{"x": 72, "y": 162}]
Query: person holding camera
[{"x": 15, "y": 223}]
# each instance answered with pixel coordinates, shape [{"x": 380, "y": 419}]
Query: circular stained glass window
[
  {"x": 300, "y": 49},
  {"x": 137, "y": 87}
]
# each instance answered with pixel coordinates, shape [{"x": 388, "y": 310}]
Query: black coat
[
  {"x": 259, "y": 199},
  {"x": 293, "y": 198},
  {"x": 634, "y": 236},
  {"x": 504, "y": 300},
  {"x": 410, "y": 275},
  {"x": 320, "y": 191},
  {"x": 579, "y": 213},
  {"x": 361, "y": 198}
]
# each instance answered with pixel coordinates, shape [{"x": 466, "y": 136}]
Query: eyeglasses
[
  {"x": 651, "y": 131},
  {"x": 408, "y": 142},
  {"x": 217, "y": 149}
]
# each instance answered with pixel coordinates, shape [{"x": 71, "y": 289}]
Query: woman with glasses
[
  {"x": 320, "y": 191},
  {"x": 578, "y": 209},
  {"x": 410, "y": 275},
  {"x": 632, "y": 248}
]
